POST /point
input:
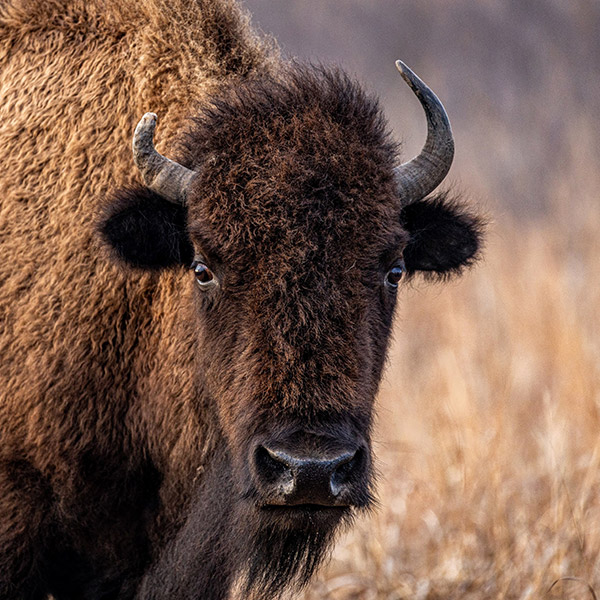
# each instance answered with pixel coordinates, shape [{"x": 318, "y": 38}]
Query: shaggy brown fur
[{"x": 130, "y": 399}]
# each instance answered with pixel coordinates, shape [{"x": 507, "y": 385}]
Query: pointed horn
[
  {"x": 166, "y": 177},
  {"x": 424, "y": 173}
]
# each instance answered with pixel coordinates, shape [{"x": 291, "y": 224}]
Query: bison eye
[
  {"x": 204, "y": 276},
  {"x": 394, "y": 275}
]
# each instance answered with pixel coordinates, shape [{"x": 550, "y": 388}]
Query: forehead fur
[{"x": 291, "y": 159}]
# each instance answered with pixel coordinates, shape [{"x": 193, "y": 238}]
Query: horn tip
[
  {"x": 407, "y": 73},
  {"x": 147, "y": 122},
  {"x": 404, "y": 70}
]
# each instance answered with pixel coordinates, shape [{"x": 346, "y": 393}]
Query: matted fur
[{"x": 128, "y": 398}]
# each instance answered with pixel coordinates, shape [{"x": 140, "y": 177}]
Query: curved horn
[
  {"x": 424, "y": 173},
  {"x": 166, "y": 177}
]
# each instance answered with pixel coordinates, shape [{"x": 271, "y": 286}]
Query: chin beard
[{"x": 286, "y": 548}]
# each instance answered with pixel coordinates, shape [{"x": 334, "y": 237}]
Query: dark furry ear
[
  {"x": 444, "y": 236},
  {"x": 145, "y": 230}
]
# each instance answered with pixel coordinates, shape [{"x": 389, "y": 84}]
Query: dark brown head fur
[{"x": 296, "y": 213}]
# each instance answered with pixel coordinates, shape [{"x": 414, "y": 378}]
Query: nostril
[
  {"x": 347, "y": 470},
  {"x": 274, "y": 471},
  {"x": 269, "y": 466}
]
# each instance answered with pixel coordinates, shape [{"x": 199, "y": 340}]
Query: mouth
[
  {"x": 305, "y": 515},
  {"x": 305, "y": 508}
]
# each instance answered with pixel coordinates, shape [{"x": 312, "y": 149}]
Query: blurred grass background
[{"x": 489, "y": 414}]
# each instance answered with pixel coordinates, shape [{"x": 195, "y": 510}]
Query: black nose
[{"x": 293, "y": 478}]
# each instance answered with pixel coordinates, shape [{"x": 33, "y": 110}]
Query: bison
[{"x": 191, "y": 348}]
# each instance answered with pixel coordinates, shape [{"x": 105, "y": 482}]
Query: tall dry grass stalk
[{"x": 489, "y": 426}]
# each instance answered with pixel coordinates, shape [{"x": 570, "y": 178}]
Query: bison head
[{"x": 297, "y": 224}]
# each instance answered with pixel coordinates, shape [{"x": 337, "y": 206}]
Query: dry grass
[{"x": 489, "y": 432}]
